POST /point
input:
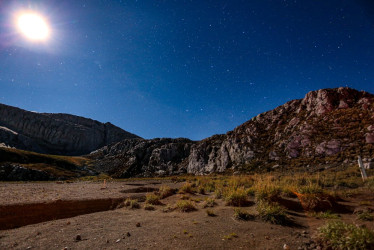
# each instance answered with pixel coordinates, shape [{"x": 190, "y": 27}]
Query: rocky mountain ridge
[
  {"x": 62, "y": 134},
  {"x": 326, "y": 128}
]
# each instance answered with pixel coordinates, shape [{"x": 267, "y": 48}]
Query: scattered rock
[
  {"x": 369, "y": 165},
  {"x": 138, "y": 224},
  {"x": 369, "y": 138},
  {"x": 78, "y": 237}
]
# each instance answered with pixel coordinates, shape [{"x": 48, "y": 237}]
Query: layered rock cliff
[
  {"x": 328, "y": 127},
  {"x": 55, "y": 133}
]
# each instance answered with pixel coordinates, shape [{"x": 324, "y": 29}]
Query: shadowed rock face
[
  {"x": 55, "y": 133},
  {"x": 145, "y": 158},
  {"x": 326, "y": 128}
]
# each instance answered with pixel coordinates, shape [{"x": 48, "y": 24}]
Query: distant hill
[
  {"x": 327, "y": 128},
  {"x": 61, "y": 134}
]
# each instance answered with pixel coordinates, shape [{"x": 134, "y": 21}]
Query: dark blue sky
[{"x": 183, "y": 68}]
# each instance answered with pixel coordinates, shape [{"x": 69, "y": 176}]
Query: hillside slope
[
  {"x": 61, "y": 134},
  {"x": 326, "y": 128}
]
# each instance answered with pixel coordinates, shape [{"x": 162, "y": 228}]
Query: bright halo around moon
[{"x": 33, "y": 26}]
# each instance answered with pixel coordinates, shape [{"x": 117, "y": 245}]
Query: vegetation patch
[
  {"x": 187, "y": 188},
  {"x": 237, "y": 198},
  {"x": 272, "y": 212},
  {"x": 185, "y": 206},
  {"x": 242, "y": 215},
  {"x": 165, "y": 191},
  {"x": 365, "y": 216},
  {"x": 209, "y": 202},
  {"x": 152, "y": 199},
  {"x": 149, "y": 207},
  {"x": 339, "y": 235},
  {"x": 325, "y": 215},
  {"x": 230, "y": 236},
  {"x": 210, "y": 213},
  {"x": 131, "y": 203}
]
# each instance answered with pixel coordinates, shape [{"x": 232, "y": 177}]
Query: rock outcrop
[
  {"x": 327, "y": 127},
  {"x": 145, "y": 158},
  {"x": 55, "y": 133},
  {"x": 328, "y": 124}
]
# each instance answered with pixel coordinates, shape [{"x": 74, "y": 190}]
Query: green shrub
[
  {"x": 339, "y": 235},
  {"x": 272, "y": 212},
  {"x": 185, "y": 206}
]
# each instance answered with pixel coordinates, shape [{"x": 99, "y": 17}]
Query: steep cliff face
[{"x": 55, "y": 133}]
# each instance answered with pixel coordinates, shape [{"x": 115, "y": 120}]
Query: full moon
[{"x": 33, "y": 26}]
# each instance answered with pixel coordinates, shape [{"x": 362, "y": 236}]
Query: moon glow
[{"x": 33, "y": 26}]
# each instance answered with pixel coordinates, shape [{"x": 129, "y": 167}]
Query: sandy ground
[
  {"x": 36, "y": 192},
  {"x": 126, "y": 228}
]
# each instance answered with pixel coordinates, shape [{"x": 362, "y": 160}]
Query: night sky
[{"x": 183, "y": 68}]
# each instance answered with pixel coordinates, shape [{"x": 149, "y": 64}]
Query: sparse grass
[
  {"x": 152, "y": 199},
  {"x": 339, "y": 235},
  {"x": 325, "y": 215},
  {"x": 197, "y": 200},
  {"x": 201, "y": 190},
  {"x": 370, "y": 183},
  {"x": 267, "y": 193},
  {"x": 168, "y": 209},
  {"x": 218, "y": 193},
  {"x": 187, "y": 188},
  {"x": 242, "y": 215},
  {"x": 210, "y": 213},
  {"x": 365, "y": 203},
  {"x": 131, "y": 203},
  {"x": 185, "y": 197},
  {"x": 237, "y": 198},
  {"x": 365, "y": 216},
  {"x": 272, "y": 212},
  {"x": 230, "y": 236},
  {"x": 185, "y": 206},
  {"x": 209, "y": 202},
  {"x": 165, "y": 191}
]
